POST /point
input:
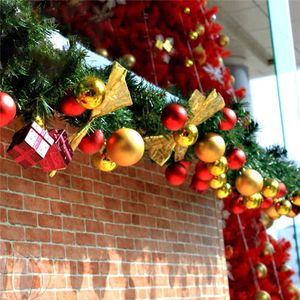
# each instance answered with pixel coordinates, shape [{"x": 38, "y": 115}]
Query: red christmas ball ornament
[
  {"x": 199, "y": 185},
  {"x": 91, "y": 144},
  {"x": 7, "y": 109},
  {"x": 282, "y": 190},
  {"x": 267, "y": 202},
  {"x": 176, "y": 174},
  {"x": 70, "y": 107},
  {"x": 202, "y": 172},
  {"x": 174, "y": 117},
  {"x": 185, "y": 163},
  {"x": 236, "y": 159},
  {"x": 229, "y": 119},
  {"x": 237, "y": 205}
]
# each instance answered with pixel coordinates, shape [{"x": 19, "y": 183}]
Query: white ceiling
[{"x": 246, "y": 22}]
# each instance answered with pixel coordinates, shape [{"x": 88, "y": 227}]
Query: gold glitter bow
[
  {"x": 160, "y": 147},
  {"x": 166, "y": 44}
]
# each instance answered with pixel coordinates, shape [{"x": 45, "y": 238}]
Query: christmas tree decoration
[
  {"x": 101, "y": 162},
  {"x": 271, "y": 188},
  {"x": 176, "y": 174},
  {"x": 129, "y": 60},
  {"x": 70, "y": 107},
  {"x": 249, "y": 182},
  {"x": 218, "y": 167},
  {"x": 228, "y": 120},
  {"x": 262, "y": 295},
  {"x": 185, "y": 163},
  {"x": 267, "y": 202},
  {"x": 187, "y": 10},
  {"x": 236, "y": 205},
  {"x": 92, "y": 143},
  {"x": 202, "y": 172},
  {"x": 218, "y": 181},
  {"x": 295, "y": 199},
  {"x": 272, "y": 213},
  {"x": 224, "y": 40},
  {"x": 166, "y": 45},
  {"x": 253, "y": 201},
  {"x": 60, "y": 153},
  {"x": 228, "y": 252},
  {"x": 7, "y": 109},
  {"x": 193, "y": 35},
  {"x": 30, "y": 145},
  {"x": 282, "y": 190},
  {"x": 295, "y": 211},
  {"x": 188, "y": 62},
  {"x": 261, "y": 270},
  {"x": 283, "y": 207},
  {"x": 236, "y": 159},
  {"x": 102, "y": 51},
  {"x": 199, "y": 185},
  {"x": 174, "y": 117},
  {"x": 224, "y": 191},
  {"x": 210, "y": 148},
  {"x": 266, "y": 220},
  {"x": 187, "y": 137},
  {"x": 268, "y": 249},
  {"x": 125, "y": 147},
  {"x": 90, "y": 92},
  {"x": 200, "y": 29}
]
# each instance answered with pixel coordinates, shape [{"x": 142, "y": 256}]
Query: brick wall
[{"x": 86, "y": 234}]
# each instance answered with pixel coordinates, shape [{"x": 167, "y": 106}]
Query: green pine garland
[{"x": 37, "y": 76}]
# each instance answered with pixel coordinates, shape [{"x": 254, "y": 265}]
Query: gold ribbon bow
[
  {"x": 160, "y": 147},
  {"x": 166, "y": 44}
]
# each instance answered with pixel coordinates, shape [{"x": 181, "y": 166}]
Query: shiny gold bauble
[
  {"x": 210, "y": 148},
  {"x": 296, "y": 198},
  {"x": 218, "y": 181},
  {"x": 294, "y": 212},
  {"x": 224, "y": 40},
  {"x": 103, "y": 52},
  {"x": 285, "y": 268},
  {"x": 223, "y": 191},
  {"x": 39, "y": 121},
  {"x": 187, "y": 137},
  {"x": 294, "y": 291},
  {"x": 200, "y": 29},
  {"x": 201, "y": 54},
  {"x": 266, "y": 220},
  {"x": 125, "y": 147},
  {"x": 193, "y": 35},
  {"x": 261, "y": 270},
  {"x": 101, "y": 162},
  {"x": 271, "y": 188},
  {"x": 268, "y": 249},
  {"x": 218, "y": 167},
  {"x": 262, "y": 295},
  {"x": 129, "y": 60},
  {"x": 188, "y": 63},
  {"x": 253, "y": 201},
  {"x": 187, "y": 10},
  {"x": 272, "y": 213},
  {"x": 90, "y": 92},
  {"x": 249, "y": 183},
  {"x": 283, "y": 207}
]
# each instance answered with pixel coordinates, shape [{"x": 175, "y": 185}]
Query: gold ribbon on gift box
[
  {"x": 116, "y": 96},
  {"x": 160, "y": 147}
]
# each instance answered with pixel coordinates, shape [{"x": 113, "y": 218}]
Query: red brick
[
  {"x": 88, "y": 267},
  {"x": 63, "y": 295},
  {"x": 27, "y": 249},
  {"x": 37, "y": 235},
  {"x": 60, "y": 208},
  {"x": 73, "y": 224},
  {"x": 71, "y": 195},
  {"x": 22, "y": 217},
  {"x": 134, "y": 207},
  {"x": 85, "y": 239},
  {"x": 10, "y": 167},
  {"x": 89, "y": 172},
  {"x": 50, "y": 221},
  {"x": 125, "y": 243},
  {"x": 11, "y": 233},
  {"x": 6, "y": 134},
  {"x": 110, "y": 178},
  {"x": 114, "y": 229},
  {"x": 53, "y": 251},
  {"x": 62, "y": 237},
  {"x": 76, "y": 252},
  {"x": 118, "y": 282},
  {"x": 82, "y": 184},
  {"x": 46, "y": 191},
  {"x": 94, "y": 226},
  {"x": 138, "y": 232},
  {"x": 21, "y": 185},
  {"x": 35, "y": 174},
  {"x": 11, "y": 200},
  {"x": 93, "y": 199},
  {"x": 102, "y": 188},
  {"x": 111, "y": 203},
  {"x": 3, "y": 215},
  {"x": 132, "y": 183},
  {"x": 36, "y": 204},
  {"x": 122, "y": 218},
  {"x": 3, "y": 182},
  {"x": 103, "y": 214},
  {"x": 60, "y": 179},
  {"x": 82, "y": 211},
  {"x": 5, "y": 249}
]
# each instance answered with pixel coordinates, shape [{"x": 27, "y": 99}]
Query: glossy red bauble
[
  {"x": 174, "y": 117},
  {"x": 70, "y": 107},
  {"x": 202, "y": 172},
  {"x": 185, "y": 163},
  {"x": 229, "y": 119},
  {"x": 237, "y": 205},
  {"x": 282, "y": 190},
  {"x": 176, "y": 174},
  {"x": 267, "y": 202},
  {"x": 92, "y": 143},
  {"x": 7, "y": 109},
  {"x": 236, "y": 159},
  {"x": 199, "y": 185}
]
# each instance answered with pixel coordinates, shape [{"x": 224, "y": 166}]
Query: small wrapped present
[
  {"x": 60, "y": 153},
  {"x": 30, "y": 145}
]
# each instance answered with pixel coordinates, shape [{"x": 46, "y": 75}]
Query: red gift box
[
  {"x": 30, "y": 145},
  {"x": 60, "y": 153}
]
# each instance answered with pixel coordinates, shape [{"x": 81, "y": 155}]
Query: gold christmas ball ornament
[
  {"x": 103, "y": 52},
  {"x": 187, "y": 137},
  {"x": 268, "y": 249},
  {"x": 271, "y": 188},
  {"x": 296, "y": 198},
  {"x": 272, "y": 212},
  {"x": 262, "y": 295},
  {"x": 249, "y": 183},
  {"x": 39, "y": 121},
  {"x": 223, "y": 191},
  {"x": 218, "y": 181},
  {"x": 200, "y": 29},
  {"x": 266, "y": 220},
  {"x": 188, "y": 63},
  {"x": 187, "y": 10},
  {"x": 90, "y": 92},
  {"x": 129, "y": 60},
  {"x": 210, "y": 148},
  {"x": 125, "y": 147},
  {"x": 101, "y": 162},
  {"x": 193, "y": 35},
  {"x": 218, "y": 167},
  {"x": 283, "y": 207},
  {"x": 261, "y": 270},
  {"x": 224, "y": 40},
  {"x": 253, "y": 201},
  {"x": 285, "y": 268}
]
